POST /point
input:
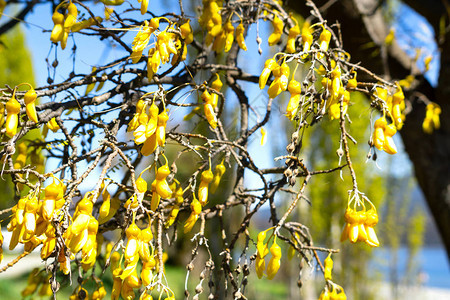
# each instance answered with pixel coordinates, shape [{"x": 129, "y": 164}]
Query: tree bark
[{"x": 361, "y": 22}]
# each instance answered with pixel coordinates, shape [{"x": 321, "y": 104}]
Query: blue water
[{"x": 431, "y": 265}]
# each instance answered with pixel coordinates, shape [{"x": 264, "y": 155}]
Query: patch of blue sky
[{"x": 417, "y": 38}]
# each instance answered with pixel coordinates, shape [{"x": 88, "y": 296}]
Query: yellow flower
[
  {"x": 144, "y": 6},
  {"x": 71, "y": 17},
  {"x": 352, "y": 83},
  {"x": 294, "y": 89},
  {"x": 277, "y": 30},
  {"x": 29, "y": 99},
  {"x": 389, "y": 145},
  {"x": 275, "y": 261},
  {"x": 206, "y": 178},
  {"x": 390, "y": 37},
  {"x": 280, "y": 82},
  {"x": 359, "y": 226},
  {"x": 293, "y": 33},
  {"x": 12, "y": 118},
  {"x": 370, "y": 222},
  {"x": 328, "y": 267},
  {"x": 139, "y": 134},
  {"x": 432, "y": 121},
  {"x": 217, "y": 84},
  {"x": 427, "y": 62},
  {"x": 218, "y": 173},
  {"x": 107, "y": 213},
  {"x": 307, "y": 38},
  {"x": 324, "y": 41},
  {"x": 186, "y": 32},
  {"x": 378, "y": 134},
  {"x": 269, "y": 66},
  {"x": 229, "y": 35},
  {"x": 210, "y": 115},
  {"x": 143, "y": 36},
  {"x": 58, "y": 28},
  {"x": 53, "y": 125},
  {"x": 240, "y": 37},
  {"x": 161, "y": 129},
  {"x": 398, "y": 104},
  {"x": 196, "y": 209}
]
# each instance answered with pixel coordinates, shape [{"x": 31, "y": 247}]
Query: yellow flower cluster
[
  {"x": 63, "y": 23},
  {"x": 382, "y": 136},
  {"x": 332, "y": 291},
  {"x": 431, "y": 121},
  {"x": 395, "y": 104},
  {"x": 31, "y": 219},
  {"x": 360, "y": 225},
  {"x": 167, "y": 43},
  {"x": 13, "y": 109},
  {"x": 210, "y": 102},
  {"x": 138, "y": 248},
  {"x": 332, "y": 83},
  {"x": 261, "y": 252},
  {"x": 81, "y": 234},
  {"x": 149, "y": 128},
  {"x": 220, "y": 35},
  {"x": 206, "y": 178},
  {"x": 294, "y": 32},
  {"x": 81, "y": 293},
  {"x": 67, "y": 22},
  {"x": 281, "y": 74}
]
